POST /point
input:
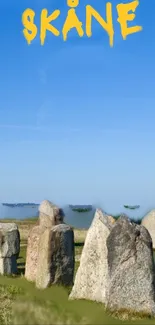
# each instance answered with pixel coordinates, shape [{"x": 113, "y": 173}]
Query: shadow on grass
[
  {"x": 21, "y": 271},
  {"x": 79, "y": 244},
  {"x": 20, "y": 266}
]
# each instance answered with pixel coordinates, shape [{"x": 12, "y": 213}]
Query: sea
[{"x": 81, "y": 220}]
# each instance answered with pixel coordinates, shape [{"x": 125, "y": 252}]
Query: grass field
[{"x": 21, "y": 303}]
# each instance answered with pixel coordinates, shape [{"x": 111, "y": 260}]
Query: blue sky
[{"x": 77, "y": 118}]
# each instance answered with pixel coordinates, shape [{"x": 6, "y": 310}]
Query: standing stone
[
  {"x": 131, "y": 268},
  {"x": 56, "y": 257},
  {"x": 149, "y": 223},
  {"x": 8, "y": 265},
  {"x": 49, "y": 214},
  {"x": 32, "y": 253},
  {"x": 11, "y": 239},
  {"x": 9, "y": 247},
  {"x": 92, "y": 275}
]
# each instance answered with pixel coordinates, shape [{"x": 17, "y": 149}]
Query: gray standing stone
[
  {"x": 149, "y": 223},
  {"x": 8, "y": 265},
  {"x": 9, "y": 240},
  {"x": 49, "y": 214},
  {"x": 56, "y": 257},
  {"x": 32, "y": 253},
  {"x": 131, "y": 268},
  {"x": 9, "y": 248},
  {"x": 92, "y": 276}
]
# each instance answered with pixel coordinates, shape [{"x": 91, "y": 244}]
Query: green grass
[
  {"x": 21, "y": 303},
  {"x": 51, "y": 306},
  {"x": 26, "y": 221}
]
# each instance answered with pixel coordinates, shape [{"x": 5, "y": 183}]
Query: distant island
[
  {"x": 81, "y": 208},
  {"x": 20, "y": 205},
  {"x": 132, "y": 207}
]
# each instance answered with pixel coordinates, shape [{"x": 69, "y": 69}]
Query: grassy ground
[
  {"x": 21, "y": 303},
  {"x": 27, "y": 224}
]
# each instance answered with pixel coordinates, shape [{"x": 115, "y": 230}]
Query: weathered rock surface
[
  {"x": 8, "y": 265},
  {"x": 32, "y": 253},
  {"x": 49, "y": 214},
  {"x": 131, "y": 268},
  {"x": 9, "y": 240},
  {"x": 56, "y": 257},
  {"x": 92, "y": 276},
  {"x": 9, "y": 248},
  {"x": 149, "y": 223}
]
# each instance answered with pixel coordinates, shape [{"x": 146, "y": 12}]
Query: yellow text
[{"x": 125, "y": 12}]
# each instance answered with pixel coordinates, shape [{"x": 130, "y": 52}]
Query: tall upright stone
[
  {"x": 49, "y": 216},
  {"x": 131, "y": 268},
  {"x": 149, "y": 223},
  {"x": 32, "y": 252},
  {"x": 9, "y": 248},
  {"x": 92, "y": 276},
  {"x": 56, "y": 257}
]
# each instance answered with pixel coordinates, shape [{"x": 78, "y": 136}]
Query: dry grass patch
[
  {"x": 129, "y": 315},
  {"x": 42, "y": 314},
  {"x": 27, "y": 224},
  {"x": 5, "y": 305},
  {"x": 24, "y": 229},
  {"x": 80, "y": 235}
]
